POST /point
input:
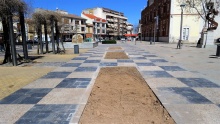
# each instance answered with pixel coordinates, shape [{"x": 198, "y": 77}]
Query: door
[{"x": 185, "y": 34}]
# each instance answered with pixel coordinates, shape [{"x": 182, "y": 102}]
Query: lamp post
[{"x": 181, "y": 25}]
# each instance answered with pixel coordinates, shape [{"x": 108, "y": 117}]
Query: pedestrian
[{"x": 1, "y": 44}]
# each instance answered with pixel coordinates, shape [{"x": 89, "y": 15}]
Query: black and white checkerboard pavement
[{"x": 61, "y": 95}]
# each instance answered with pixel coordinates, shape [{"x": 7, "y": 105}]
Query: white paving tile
[
  {"x": 63, "y": 96},
  {"x": 44, "y": 83},
  {"x": 9, "y": 114}
]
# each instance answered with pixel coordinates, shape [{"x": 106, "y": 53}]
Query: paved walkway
[{"x": 61, "y": 95}]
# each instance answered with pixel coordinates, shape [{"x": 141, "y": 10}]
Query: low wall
[{"x": 81, "y": 45}]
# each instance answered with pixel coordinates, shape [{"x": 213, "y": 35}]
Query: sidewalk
[{"x": 187, "y": 88}]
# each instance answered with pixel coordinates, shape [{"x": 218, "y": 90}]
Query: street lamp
[{"x": 181, "y": 25}]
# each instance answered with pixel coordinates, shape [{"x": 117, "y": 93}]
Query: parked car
[{"x": 123, "y": 39}]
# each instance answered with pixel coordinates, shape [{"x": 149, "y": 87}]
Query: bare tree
[
  {"x": 9, "y": 9},
  {"x": 38, "y": 19}
]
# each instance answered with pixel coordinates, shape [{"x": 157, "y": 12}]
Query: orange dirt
[
  {"x": 116, "y": 55},
  {"x": 114, "y": 48},
  {"x": 121, "y": 96}
]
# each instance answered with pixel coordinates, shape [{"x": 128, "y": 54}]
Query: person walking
[{"x": 1, "y": 44}]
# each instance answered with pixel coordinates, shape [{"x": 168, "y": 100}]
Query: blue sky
[{"x": 131, "y": 8}]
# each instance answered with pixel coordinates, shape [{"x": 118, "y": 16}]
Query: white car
[{"x": 122, "y": 39}]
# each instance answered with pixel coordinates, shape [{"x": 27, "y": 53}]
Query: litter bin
[
  {"x": 218, "y": 50},
  {"x": 29, "y": 46},
  {"x": 76, "y": 49}
]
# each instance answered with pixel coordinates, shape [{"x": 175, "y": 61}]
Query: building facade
[
  {"x": 73, "y": 27},
  {"x": 116, "y": 21},
  {"x": 161, "y": 20},
  {"x": 99, "y": 26}
]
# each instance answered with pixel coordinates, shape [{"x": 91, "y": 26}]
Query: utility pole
[{"x": 181, "y": 25}]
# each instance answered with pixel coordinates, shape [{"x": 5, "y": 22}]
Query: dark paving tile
[
  {"x": 144, "y": 53},
  {"x": 71, "y": 65},
  {"x": 125, "y": 60},
  {"x": 149, "y": 55},
  {"x": 198, "y": 82},
  {"x": 137, "y": 57},
  {"x": 108, "y": 64},
  {"x": 80, "y": 58},
  {"x": 57, "y": 75},
  {"x": 156, "y": 73},
  {"x": 48, "y": 114},
  {"x": 85, "y": 69},
  {"x": 146, "y": 64},
  {"x": 26, "y": 96},
  {"x": 74, "y": 83},
  {"x": 191, "y": 95},
  {"x": 50, "y": 64},
  {"x": 85, "y": 54},
  {"x": 172, "y": 68},
  {"x": 92, "y": 61},
  {"x": 158, "y": 60}
]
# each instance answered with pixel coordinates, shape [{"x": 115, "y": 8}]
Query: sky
[{"x": 131, "y": 8}]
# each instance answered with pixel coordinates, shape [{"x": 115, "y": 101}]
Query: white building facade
[
  {"x": 167, "y": 27},
  {"x": 116, "y": 21}
]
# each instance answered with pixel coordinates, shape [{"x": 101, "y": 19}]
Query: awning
[{"x": 130, "y": 35}]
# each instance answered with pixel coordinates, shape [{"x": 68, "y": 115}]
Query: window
[
  {"x": 77, "y": 22},
  {"x": 185, "y": 33},
  {"x": 103, "y": 30},
  {"x": 103, "y": 25},
  {"x": 82, "y": 22},
  {"x": 98, "y": 30},
  {"x": 98, "y": 24},
  {"x": 82, "y": 29}
]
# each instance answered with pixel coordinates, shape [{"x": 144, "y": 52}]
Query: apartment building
[
  {"x": 74, "y": 27},
  {"x": 99, "y": 26},
  {"x": 116, "y": 21},
  {"x": 161, "y": 18}
]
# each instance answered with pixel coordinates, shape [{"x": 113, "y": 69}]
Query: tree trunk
[
  {"x": 61, "y": 41},
  {"x": 6, "y": 41},
  {"x": 46, "y": 40},
  {"x": 41, "y": 42},
  {"x": 57, "y": 36},
  {"x": 38, "y": 43},
  {"x": 12, "y": 41},
  {"x": 23, "y": 33},
  {"x": 52, "y": 36}
]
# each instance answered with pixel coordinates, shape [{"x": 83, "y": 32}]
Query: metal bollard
[
  {"x": 76, "y": 49},
  {"x": 218, "y": 50}
]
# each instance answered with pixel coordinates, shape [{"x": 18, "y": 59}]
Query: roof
[
  {"x": 72, "y": 16},
  {"x": 91, "y": 16}
]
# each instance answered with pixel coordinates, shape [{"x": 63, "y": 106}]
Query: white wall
[{"x": 193, "y": 22}]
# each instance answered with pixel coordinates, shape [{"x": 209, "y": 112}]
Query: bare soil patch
[
  {"x": 121, "y": 96},
  {"x": 116, "y": 55},
  {"x": 114, "y": 48}
]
